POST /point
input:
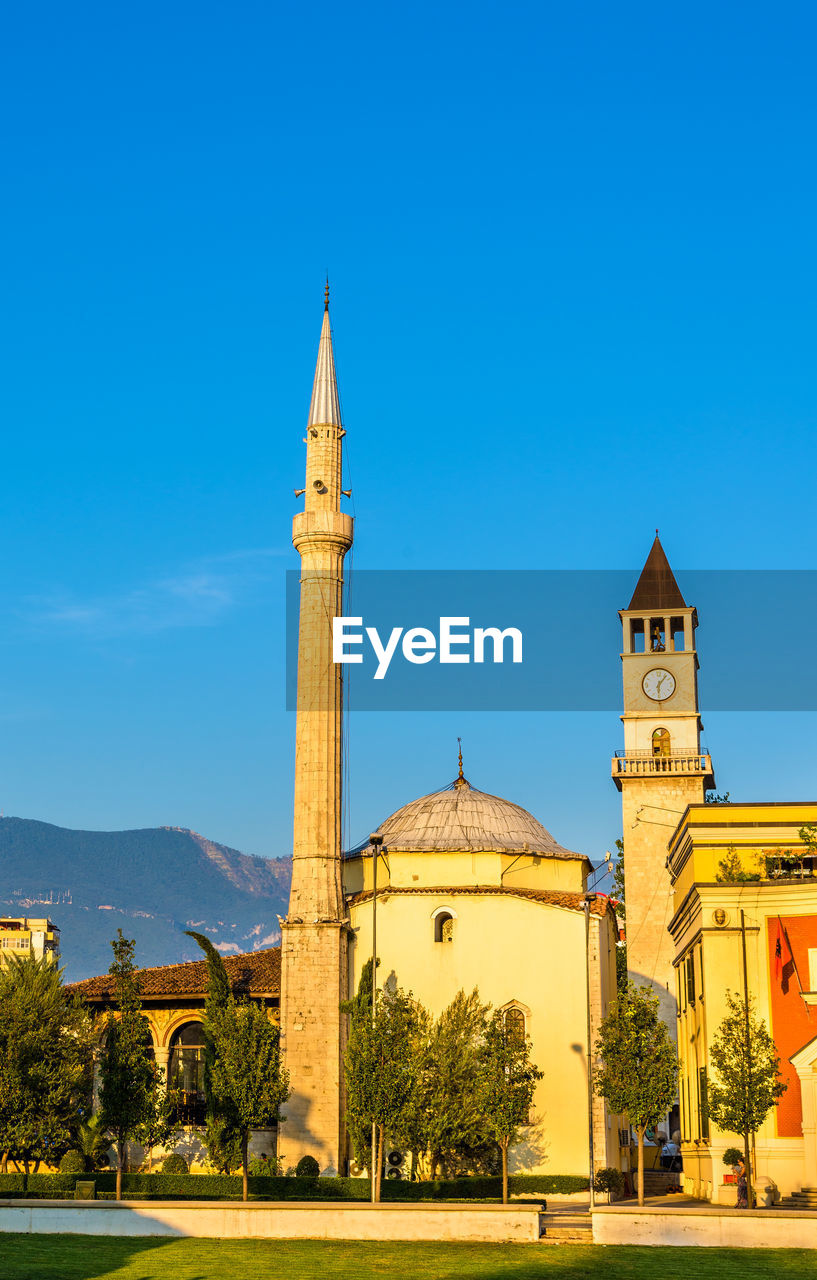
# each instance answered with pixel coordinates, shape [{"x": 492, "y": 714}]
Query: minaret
[
  {"x": 314, "y": 939},
  {"x": 662, "y": 768}
]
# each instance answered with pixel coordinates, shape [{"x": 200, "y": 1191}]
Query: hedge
[{"x": 216, "y": 1186}]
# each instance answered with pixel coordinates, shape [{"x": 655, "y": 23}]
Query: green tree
[
  {"x": 448, "y": 1120},
  {"x": 247, "y": 1080},
  {"x": 638, "y": 1070},
  {"x": 808, "y": 835},
  {"x": 618, "y": 893},
  {"x": 381, "y": 1068},
  {"x": 619, "y": 886},
  {"x": 129, "y": 1078},
  {"x": 748, "y": 1082},
  {"x": 162, "y": 1124},
  {"x": 731, "y": 869},
  {"x": 45, "y": 1062},
  {"x": 221, "y": 1130},
  {"x": 508, "y": 1084}
]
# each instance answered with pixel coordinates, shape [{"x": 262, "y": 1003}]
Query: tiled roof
[
  {"x": 254, "y": 973},
  {"x": 549, "y": 897},
  {"x": 462, "y": 819}
]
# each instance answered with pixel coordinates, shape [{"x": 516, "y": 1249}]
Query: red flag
[{"x": 782, "y": 952}]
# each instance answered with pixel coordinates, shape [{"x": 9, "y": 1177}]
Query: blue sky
[{"x": 573, "y": 268}]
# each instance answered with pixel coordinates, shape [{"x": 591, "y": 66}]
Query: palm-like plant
[{"x": 93, "y": 1141}]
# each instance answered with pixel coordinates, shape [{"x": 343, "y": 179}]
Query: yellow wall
[
  {"x": 514, "y": 871},
  {"x": 513, "y": 950}
]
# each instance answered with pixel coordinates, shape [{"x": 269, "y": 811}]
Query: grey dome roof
[{"x": 462, "y": 819}]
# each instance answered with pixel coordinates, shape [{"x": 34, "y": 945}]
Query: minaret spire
[
  {"x": 325, "y": 405},
  {"x": 314, "y": 933}
]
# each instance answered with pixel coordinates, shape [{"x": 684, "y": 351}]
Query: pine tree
[
  {"x": 748, "y": 1082},
  {"x": 128, "y": 1074},
  {"x": 448, "y": 1120},
  {"x": 247, "y": 1080},
  {"x": 45, "y": 1062},
  {"x": 638, "y": 1070},
  {"x": 381, "y": 1069},
  {"x": 221, "y": 1129},
  {"x": 508, "y": 1084}
]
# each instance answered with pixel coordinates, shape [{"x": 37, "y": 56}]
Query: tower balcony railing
[{"x": 646, "y": 763}]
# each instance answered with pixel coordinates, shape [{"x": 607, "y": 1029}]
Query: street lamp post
[
  {"x": 589, "y": 898},
  {"x": 375, "y": 840}
]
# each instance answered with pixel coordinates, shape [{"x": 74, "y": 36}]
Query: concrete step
[
  {"x": 566, "y": 1227},
  {"x": 550, "y": 1219},
  {"x": 656, "y": 1181}
]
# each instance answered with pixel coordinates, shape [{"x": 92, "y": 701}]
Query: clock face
[{"x": 659, "y": 684}]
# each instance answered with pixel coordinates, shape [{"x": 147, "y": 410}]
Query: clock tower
[{"x": 662, "y": 768}]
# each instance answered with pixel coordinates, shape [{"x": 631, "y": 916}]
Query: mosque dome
[{"x": 461, "y": 819}]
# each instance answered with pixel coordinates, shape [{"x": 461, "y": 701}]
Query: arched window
[
  {"x": 185, "y": 1071},
  {"x": 514, "y": 1024},
  {"x": 661, "y": 742},
  {"x": 443, "y": 927}
]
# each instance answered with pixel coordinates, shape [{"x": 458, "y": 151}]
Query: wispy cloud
[{"x": 197, "y": 594}]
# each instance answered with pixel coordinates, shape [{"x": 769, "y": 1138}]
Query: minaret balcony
[{"x": 646, "y": 764}]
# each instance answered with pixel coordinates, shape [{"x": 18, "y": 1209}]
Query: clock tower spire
[{"x": 662, "y": 768}]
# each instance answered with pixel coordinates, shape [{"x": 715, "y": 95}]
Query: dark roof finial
[
  {"x": 326, "y": 294},
  {"x": 461, "y": 780}
]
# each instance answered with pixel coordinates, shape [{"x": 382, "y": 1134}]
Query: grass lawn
[{"x": 24, "y": 1257}]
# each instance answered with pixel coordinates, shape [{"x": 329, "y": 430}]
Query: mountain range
[{"x": 153, "y": 884}]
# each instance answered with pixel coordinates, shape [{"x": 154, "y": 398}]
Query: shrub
[
  {"x": 609, "y": 1180},
  {"x": 220, "y": 1186},
  {"x": 307, "y": 1167},
  {"x": 174, "y": 1164},
  {"x": 261, "y": 1167},
  {"x": 73, "y": 1162},
  {"x": 731, "y": 1156}
]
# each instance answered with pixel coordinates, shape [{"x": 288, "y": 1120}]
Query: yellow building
[
  {"x": 173, "y": 998},
  {"x": 712, "y": 847},
  {"x": 24, "y": 936},
  {"x": 474, "y": 892}
]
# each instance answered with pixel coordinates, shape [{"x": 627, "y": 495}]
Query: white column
[
  {"x": 808, "y": 1092},
  {"x": 162, "y": 1057}
]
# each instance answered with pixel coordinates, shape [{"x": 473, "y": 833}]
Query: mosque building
[{"x": 472, "y": 890}]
